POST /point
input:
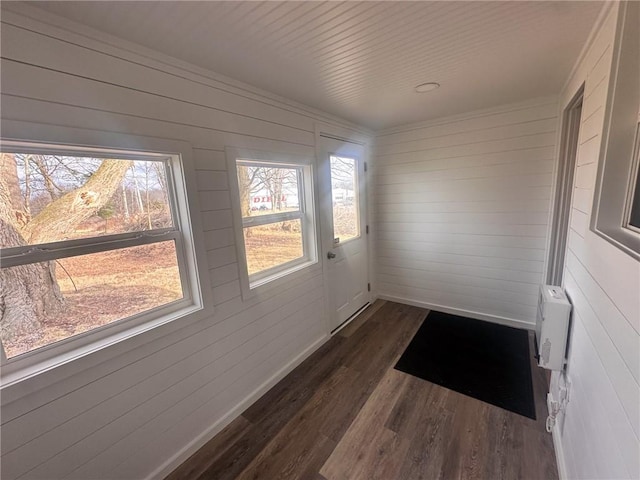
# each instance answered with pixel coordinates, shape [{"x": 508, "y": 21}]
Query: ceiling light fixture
[{"x": 426, "y": 87}]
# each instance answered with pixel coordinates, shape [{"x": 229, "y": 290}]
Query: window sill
[
  {"x": 276, "y": 280},
  {"x": 31, "y": 364},
  {"x": 626, "y": 239}
]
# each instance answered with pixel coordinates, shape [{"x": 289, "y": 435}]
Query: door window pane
[{"x": 344, "y": 192}]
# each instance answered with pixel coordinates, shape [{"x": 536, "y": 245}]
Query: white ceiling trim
[{"x": 484, "y": 112}]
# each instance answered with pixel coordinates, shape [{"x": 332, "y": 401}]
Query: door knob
[{"x": 331, "y": 255}]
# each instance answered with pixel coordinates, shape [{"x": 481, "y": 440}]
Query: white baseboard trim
[
  {"x": 557, "y": 447},
  {"x": 557, "y": 444},
  {"x": 510, "y": 322},
  {"x": 192, "y": 447}
]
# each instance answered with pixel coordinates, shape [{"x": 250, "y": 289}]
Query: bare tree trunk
[
  {"x": 278, "y": 181},
  {"x": 10, "y": 196},
  {"x": 137, "y": 191},
  {"x": 27, "y": 292},
  {"x": 160, "y": 173},
  {"x": 27, "y": 185},
  {"x": 244, "y": 183},
  {"x": 272, "y": 193},
  {"x": 146, "y": 188},
  {"x": 66, "y": 212},
  {"x": 125, "y": 203}
]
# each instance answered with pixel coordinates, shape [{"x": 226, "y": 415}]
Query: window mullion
[
  {"x": 36, "y": 254},
  {"x": 271, "y": 218}
]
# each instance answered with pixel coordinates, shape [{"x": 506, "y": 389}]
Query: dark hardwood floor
[{"x": 345, "y": 413}]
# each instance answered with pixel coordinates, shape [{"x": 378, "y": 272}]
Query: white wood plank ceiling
[{"x": 362, "y": 60}]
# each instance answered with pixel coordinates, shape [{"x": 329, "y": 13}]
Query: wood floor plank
[
  {"x": 290, "y": 457},
  {"x": 213, "y": 450},
  {"x": 351, "y": 453},
  {"x": 537, "y": 467},
  {"x": 409, "y": 408},
  {"x": 345, "y": 405},
  {"x": 467, "y": 447},
  {"x": 275, "y": 409},
  {"x": 386, "y": 339},
  {"x": 290, "y": 394},
  {"x": 345, "y": 413},
  {"x": 430, "y": 440},
  {"x": 381, "y": 344},
  {"x": 505, "y": 440},
  {"x": 382, "y": 458},
  {"x": 361, "y": 319},
  {"x": 300, "y": 440}
]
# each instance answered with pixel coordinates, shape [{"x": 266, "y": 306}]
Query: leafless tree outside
[{"x": 45, "y": 198}]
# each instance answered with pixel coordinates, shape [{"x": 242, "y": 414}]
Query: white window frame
[
  {"x": 274, "y": 276},
  {"x": 615, "y": 179},
  {"x": 634, "y": 184},
  {"x": 190, "y": 253}
]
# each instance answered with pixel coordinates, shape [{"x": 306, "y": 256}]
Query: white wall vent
[{"x": 552, "y": 327}]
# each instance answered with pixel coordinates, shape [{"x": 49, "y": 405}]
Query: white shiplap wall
[
  {"x": 599, "y": 438},
  {"x": 462, "y": 208},
  {"x": 139, "y": 408}
]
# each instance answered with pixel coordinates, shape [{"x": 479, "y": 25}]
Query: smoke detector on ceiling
[{"x": 426, "y": 87}]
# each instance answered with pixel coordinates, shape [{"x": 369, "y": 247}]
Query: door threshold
[{"x": 350, "y": 319}]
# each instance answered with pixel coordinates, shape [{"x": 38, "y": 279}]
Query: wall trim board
[
  {"x": 31, "y": 18},
  {"x": 184, "y": 453},
  {"x": 485, "y": 112},
  {"x": 509, "y": 322},
  {"x": 566, "y": 158},
  {"x": 340, "y": 133},
  {"x": 557, "y": 446},
  {"x": 593, "y": 35},
  {"x": 554, "y": 181}
]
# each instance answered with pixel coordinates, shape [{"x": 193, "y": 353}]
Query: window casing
[
  {"x": 615, "y": 201},
  {"x": 274, "y": 225},
  {"x": 177, "y": 235},
  {"x": 632, "y": 219}
]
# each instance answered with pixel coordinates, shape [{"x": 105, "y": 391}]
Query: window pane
[
  {"x": 635, "y": 205},
  {"x": 265, "y": 190},
  {"x": 635, "y": 199},
  {"x": 56, "y": 197},
  {"x": 94, "y": 290},
  {"x": 268, "y": 246},
  {"x": 346, "y": 223}
]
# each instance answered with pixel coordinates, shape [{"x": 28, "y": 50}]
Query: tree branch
[{"x": 60, "y": 217}]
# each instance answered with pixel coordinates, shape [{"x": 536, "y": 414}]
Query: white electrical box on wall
[{"x": 552, "y": 327}]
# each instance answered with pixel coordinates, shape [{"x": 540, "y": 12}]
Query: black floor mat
[{"x": 480, "y": 359}]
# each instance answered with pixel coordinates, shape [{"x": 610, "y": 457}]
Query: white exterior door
[{"x": 343, "y": 227}]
